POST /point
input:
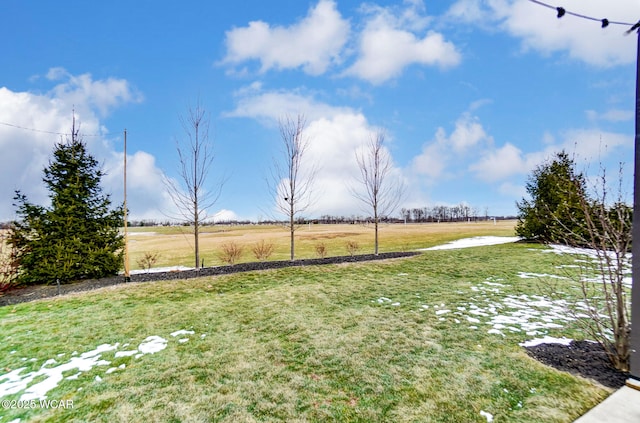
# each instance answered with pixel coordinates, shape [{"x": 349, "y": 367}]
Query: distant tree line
[{"x": 441, "y": 213}]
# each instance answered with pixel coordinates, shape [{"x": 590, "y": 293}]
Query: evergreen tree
[
  {"x": 554, "y": 213},
  {"x": 77, "y": 237}
]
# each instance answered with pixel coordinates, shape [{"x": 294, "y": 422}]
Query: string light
[{"x": 561, "y": 11}]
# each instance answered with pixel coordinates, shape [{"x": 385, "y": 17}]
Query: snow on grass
[
  {"x": 477, "y": 241},
  {"x": 51, "y": 373},
  {"x": 182, "y": 332},
  {"x": 15, "y": 382},
  {"x": 546, "y": 340},
  {"x": 486, "y": 415},
  {"x": 160, "y": 269},
  {"x": 528, "y": 275},
  {"x": 589, "y": 259},
  {"x": 152, "y": 344},
  {"x": 502, "y": 313}
]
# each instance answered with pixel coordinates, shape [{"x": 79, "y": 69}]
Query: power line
[
  {"x": 45, "y": 132},
  {"x": 561, "y": 11}
]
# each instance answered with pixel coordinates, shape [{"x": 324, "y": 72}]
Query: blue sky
[{"x": 472, "y": 95}]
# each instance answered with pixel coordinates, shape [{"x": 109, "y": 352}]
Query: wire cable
[{"x": 46, "y": 132}]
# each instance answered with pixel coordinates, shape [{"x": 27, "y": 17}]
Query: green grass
[{"x": 305, "y": 344}]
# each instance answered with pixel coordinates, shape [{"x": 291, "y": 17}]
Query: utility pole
[{"x": 127, "y": 276}]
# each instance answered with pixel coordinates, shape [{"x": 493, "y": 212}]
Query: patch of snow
[
  {"x": 546, "y": 340},
  {"x": 182, "y": 332},
  {"x": 52, "y": 376},
  {"x": 183, "y": 340},
  {"x": 439, "y": 312},
  {"x": 527, "y": 275},
  {"x": 152, "y": 344},
  {"x": 49, "y": 361},
  {"x": 126, "y": 353},
  {"x": 486, "y": 415},
  {"x": 495, "y": 331},
  {"x": 161, "y": 269},
  {"x": 141, "y": 233},
  {"x": 478, "y": 241}
]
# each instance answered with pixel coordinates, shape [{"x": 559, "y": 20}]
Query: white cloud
[
  {"x": 540, "y": 30},
  {"x": 103, "y": 95},
  {"x": 147, "y": 197},
  {"x": 314, "y": 43},
  {"x": 334, "y": 133},
  {"x": 50, "y": 113},
  {"x": 389, "y": 43},
  {"x": 500, "y": 163},
  {"x": 225, "y": 215},
  {"x": 468, "y": 152},
  {"x": 510, "y": 189},
  {"x": 613, "y": 115},
  {"x": 586, "y": 146},
  {"x": 437, "y": 154},
  {"x": 270, "y": 106}
]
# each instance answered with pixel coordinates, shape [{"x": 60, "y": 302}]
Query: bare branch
[
  {"x": 382, "y": 194},
  {"x": 195, "y": 160},
  {"x": 292, "y": 179}
]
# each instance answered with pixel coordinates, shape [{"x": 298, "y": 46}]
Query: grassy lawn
[
  {"x": 174, "y": 245},
  {"x": 404, "y": 340}
]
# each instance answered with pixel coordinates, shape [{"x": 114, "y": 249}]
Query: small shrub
[
  {"x": 230, "y": 253},
  {"x": 321, "y": 250},
  {"x": 147, "y": 261},
  {"x": 352, "y": 247},
  {"x": 262, "y": 250}
]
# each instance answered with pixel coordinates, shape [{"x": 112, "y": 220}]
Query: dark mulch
[
  {"x": 31, "y": 293},
  {"x": 583, "y": 358}
]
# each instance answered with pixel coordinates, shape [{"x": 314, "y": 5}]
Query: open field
[
  {"x": 429, "y": 338},
  {"x": 174, "y": 245}
]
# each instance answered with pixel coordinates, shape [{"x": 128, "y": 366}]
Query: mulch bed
[
  {"x": 583, "y": 358},
  {"x": 31, "y": 293}
]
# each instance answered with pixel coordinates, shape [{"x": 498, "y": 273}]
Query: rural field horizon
[{"x": 174, "y": 244}]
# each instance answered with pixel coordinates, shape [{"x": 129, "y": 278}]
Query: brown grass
[{"x": 175, "y": 244}]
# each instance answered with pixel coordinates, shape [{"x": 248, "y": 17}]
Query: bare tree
[
  {"x": 605, "y": 231},
  {"x": 189, "y": 194},
  {"x": 381, "y": 192},
  {"x": 291, "y": 179}
]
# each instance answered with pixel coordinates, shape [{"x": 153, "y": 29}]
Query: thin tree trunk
[
  {"x": 375, "y": 218},
  {"x": 291, "y": 223}
]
